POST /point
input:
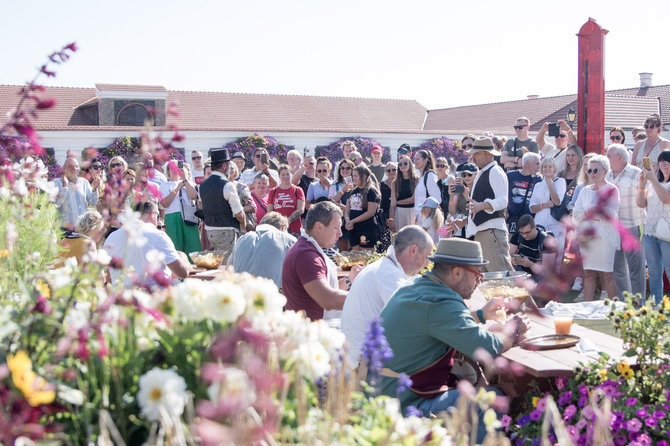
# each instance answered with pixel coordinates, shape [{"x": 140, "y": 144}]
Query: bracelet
[
  {"x": 541, "y": 206},
  {"x": 641, "y": 190},
  {"x": 480, "y": 316},
  {"x": 347, "y": 282}
]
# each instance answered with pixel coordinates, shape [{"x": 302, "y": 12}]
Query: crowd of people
[{"x": 510, "y": 206}]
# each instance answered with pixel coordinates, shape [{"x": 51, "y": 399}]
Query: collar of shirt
[{"x": 220, "y": 175}]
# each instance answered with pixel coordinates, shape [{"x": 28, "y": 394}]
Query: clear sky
[{"x": 443, "y": 53}]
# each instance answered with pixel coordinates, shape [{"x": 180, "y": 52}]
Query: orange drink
[{"x": 562, "y": 322}]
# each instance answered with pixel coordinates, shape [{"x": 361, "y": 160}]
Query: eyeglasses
[
  {"x": 405, "y": 163},
  {"x": 440, "y": 166},
  {"x": 562, "y": 135},
  {"x": 469, "y": 146},
  {"x": 345, "y": 167},
  {"x": 311, "y": 164},
  {"x": 519, "y": 127},
  {"x": 525, "y": 232},
  {"x": 258, "y": 155},
  {"x": 466, "y": 174},
  {"x": 651, "y": 126},
  {"x": 322, "y": 171},
  {"x": 595, "y": 170},
  {"x": 391, "y": 170},
  {"x": 479, "y": 275},
  {"x": 115, "y": 165},
  {"x": 196, "y": 158},
  {"x": 403, "y": 151},
  {"x": 615, "y": 138},
  {"x": 96, "y": 167}
]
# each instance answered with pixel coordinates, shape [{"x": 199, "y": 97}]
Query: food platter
[
  {"x": 550, "y": 342},
  {"x": 207, "y": 259}
]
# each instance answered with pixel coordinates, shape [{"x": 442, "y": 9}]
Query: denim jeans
[
  {"x": 449, "y": 399},
  {"x": 657, "y": 253}
]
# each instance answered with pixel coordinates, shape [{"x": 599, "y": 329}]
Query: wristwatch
[{"x": 347, "y": 282}]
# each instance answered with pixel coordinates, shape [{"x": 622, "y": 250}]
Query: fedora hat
[
  {"x": 458, "y": 251},
  {"x": 484, "y": 144},
  {"x": 219, "y": 155}
]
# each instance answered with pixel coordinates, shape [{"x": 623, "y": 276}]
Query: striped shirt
[
  {"x": 74, "y": 199},
  {"x": 627, "y": 182}
]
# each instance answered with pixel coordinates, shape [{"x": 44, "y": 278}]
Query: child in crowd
[{"x": 431, "y": 218}]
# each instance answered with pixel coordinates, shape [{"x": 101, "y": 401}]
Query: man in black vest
[
  {"x": 487, "y": 202},
  {"x": 224, "y": 215}
]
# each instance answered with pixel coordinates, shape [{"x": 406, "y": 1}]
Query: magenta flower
[
  {"x": 45, "y": 104},
  {"x": 505, "y": 421},
  {"x": 620, "y": 440},
  {"x": 581, "y": 424},
  {"x": 561, "y": 382},
  {"x": 651, "y": 422},
  {"x": 542, "y": 404},
  {"x": 633, "y": 425},
  {"x": 642, "y": 413},
  {"x": 536, "y": 415},
  {"x": 564, "y": 398},
  {"x": 662, "y": 443},
  {"x": 628, "y": 241},
  {"x": 659, "y": 414},
  {"x": 573, "y": 432},
  {"x": 569, "y": 412},
  {"x": 631, "y": 401}
]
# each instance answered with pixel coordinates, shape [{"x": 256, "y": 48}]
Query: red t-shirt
[
  {"x": 285, "y": 201},
  {"x": 303, "y": 263}
]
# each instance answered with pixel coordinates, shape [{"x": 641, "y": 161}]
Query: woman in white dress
[
  {"x": 591, "y": 213},
  {"x": 547, "y": 194}
]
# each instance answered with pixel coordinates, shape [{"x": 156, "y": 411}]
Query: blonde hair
[
  {"x": 583, "y": 178},
  {"x": 437, "y": 215}
]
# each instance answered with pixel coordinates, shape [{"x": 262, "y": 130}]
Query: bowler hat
[
  {"x": 219, "y": 155},
  {"x": 484, "y": 144},
  {"x": 458, "y": 251}
]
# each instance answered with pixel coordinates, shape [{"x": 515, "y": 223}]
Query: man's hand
[
  {"x": 475, "y": 206},
  {"x": 355, "y": 270},
  {"x": 493, "y": 306},
  {"x": 564, "y": 125}
]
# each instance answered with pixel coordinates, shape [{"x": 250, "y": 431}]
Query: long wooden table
[{"x": 549, "y": 364}]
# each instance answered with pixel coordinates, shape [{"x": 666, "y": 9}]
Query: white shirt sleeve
[
  {"x": 434, "y": 189},
  {"x": 230, "y": 194},
  {"x": 499, "y": 184}
]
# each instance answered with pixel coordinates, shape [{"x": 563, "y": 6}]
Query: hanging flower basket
[
  {"x": 248, "y": 144},
  {"x": 448, "y": 148},
  {"x": 334, "y": 152}
]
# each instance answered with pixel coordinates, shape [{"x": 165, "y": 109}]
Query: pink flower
[
  {"x": 573, "y": 432},
  {"x": 505, "y": 421},
  {"x": 628, "y": 241},
  {"x": 45, "y": 104},
  {"x": 71, "y": 46},
  {"x": 633, "y": 425},
  {"x": 47, "y": 72}
]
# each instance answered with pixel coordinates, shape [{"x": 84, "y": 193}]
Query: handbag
[
  {"x": 560, "y": 211},
  {"x": 188, "y": 211}
]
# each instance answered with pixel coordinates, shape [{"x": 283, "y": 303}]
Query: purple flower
[
  {"x": 564, "y": 398},
  {"x": 561, "y": 382},
  {"x": 642, "y": 413},
  {"x": 413, "y": 412},
  {"x": 505, "y": 421},
  {"x": 620, "y": 440},
  {"x": 535, "y": 441},
  {"x": 523, "y": 420},
  {"x": 633, "y": 425},
  {"x": 662, "y": 443},
  {"x": 376, "y": 349},
  {"x": 582, "y": 401},
  {"x": 631, "y": 401},
  {"x": 583, "y": 390},
  {"x": 542, "y": 404},
  {"x": 651, "y": 422},
  {"x": 659, "y": 414},
  {"x": 404, "y": 382},
  {"x": 644, "y": 439},
  {"x": 536, "y": 415},
  {"x": 588, "y": 412},
  {"x": 581, "y": 424},
  {"x": 573, "y": 432},
  {"x": 569, "y": 412}
]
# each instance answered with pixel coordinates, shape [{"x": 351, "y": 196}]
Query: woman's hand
[{"x": 348, "y": 225}]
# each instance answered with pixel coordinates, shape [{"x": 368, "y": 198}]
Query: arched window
[{"x": 134, "y": 114}]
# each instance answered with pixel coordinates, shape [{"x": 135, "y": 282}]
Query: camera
[
  {"x": 459, "y": 188},
  {"x": 180, "y": 164},
  {"x": 264, "y": 158},
  {"x": 554, "y": 129}
]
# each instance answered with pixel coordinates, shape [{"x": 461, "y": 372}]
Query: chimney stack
[
  {"x": 533, "y": 96},
  {"x": 645, "y": 80}
]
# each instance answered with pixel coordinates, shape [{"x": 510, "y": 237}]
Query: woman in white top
[
  {"x": 178, "y": 190},
  {"x": 653, "y": 145},
  {"x": 426, "y": 186},
  {"x": 547, "y": 194},
  {"x": 656, "y": 230},
  {"x": 592, "y": 215}
]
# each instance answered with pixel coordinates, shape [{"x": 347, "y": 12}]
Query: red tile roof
[
  {"x": 124, "y": 87},
  {"x": 243, "y": 112}
]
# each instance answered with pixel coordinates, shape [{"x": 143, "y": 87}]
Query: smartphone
[
  {"x": 348, "y": 180},
  {"x": 180, "y": 164},
  {"x": 554, "y": 129},
  {"x": 459, "y": 188},
  {"x": 646, "y": 163},
  {"x": 264, "y": 158}
]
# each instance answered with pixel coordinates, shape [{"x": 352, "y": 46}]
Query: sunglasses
[
  {"x": 615, "y": 138},
  {"x": 403, "y": 151},
  {"x": 114, "y": 165},
  {"x": 345, "y": 168},
  {"x": 441, "y": 166},
  {"x": 469, "y": 146},
  {"x": 391, "y": 170},
  {"x": 311, "y": 164},
  {"x": 651, "y": 126},
  {"x": 161, "y": 227},
  {"x": 519, "y": 127},
  {"x": 479, "y": 275},
  {"x": 322, "y": 171},
  {"x": 96, "y": 167},
  {"x": 258, "y": 155},
  {"x": 466, "y": 174},
  {"x": 405, "y": 163},
  {"x": 596, "y": 170},
  {"x": 196, "y": 158},
  {"x": 562, "y": 135}
]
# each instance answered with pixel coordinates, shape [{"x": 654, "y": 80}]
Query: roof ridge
[
  {"x": 291, "y": 95},
  {"x": 506, "y": 102}
]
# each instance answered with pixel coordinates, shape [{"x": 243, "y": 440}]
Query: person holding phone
[
  {"x": 563, "y": 137},
  {"x": 401, "y": 211},
  {"x": 339, "y": 194},
  {"x": 359, "y": 214},
  {"x": 459, "y": 192},
  {"x": 653, "y": 145},
  {"x": 531, "y": 246},
  {"x": 177, "y": 191},
  {"x": 261, "y": 165}
]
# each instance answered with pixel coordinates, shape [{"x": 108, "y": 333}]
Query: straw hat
[
  {"x": 484, "y": 144},
  {"x": 459, "y": 251}
]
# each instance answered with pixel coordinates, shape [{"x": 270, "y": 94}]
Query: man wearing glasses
[
  {"x": 516, "y": 147},
  {"x": 198, "y": 166},
  {"x": 261, "y": 165},
  {"x": 528, "y": 246},
  {"x": 564, "y": 139}
]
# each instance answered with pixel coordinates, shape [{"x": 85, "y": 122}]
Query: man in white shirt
[
  {"x": 629, "y": 267},
  {"x": 488, "y": 200},
  {"x": 75, "y": 193},
  {"x": 378, "y": 281},
  {"x": 198, "y": 166},
  {"x": 249, "y": 175},
  {"x": 156, "y": 177},
  {"x": 261, "y": 252},
  {"x": 149, "y": 256},
  {"x": 564, "y": 139}
]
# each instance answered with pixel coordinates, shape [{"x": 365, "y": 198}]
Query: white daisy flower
[
  {"x": 313, "y": 360},
  {"x": 161, "y": 388},
  {"x": 226, "y": 303}
]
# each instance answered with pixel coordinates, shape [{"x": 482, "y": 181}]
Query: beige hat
[
  {"x": 458, "y": 251},
  {"x": 484, "y": 144}
]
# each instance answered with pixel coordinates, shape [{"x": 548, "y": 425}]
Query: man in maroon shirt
[{"x": 309, "y": 277}]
